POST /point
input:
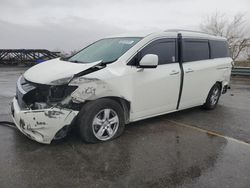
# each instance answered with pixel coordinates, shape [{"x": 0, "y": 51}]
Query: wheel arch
[
  {"x": 220, "y": 84},
  {"x": 125, "y": 104}
]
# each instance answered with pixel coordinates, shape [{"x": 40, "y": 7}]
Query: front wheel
[
  {"x": 213, "y": 97},
  {"x": 101, "y": 120}
]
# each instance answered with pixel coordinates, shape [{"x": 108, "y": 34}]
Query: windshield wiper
[
  {"x": 76, "y": 61},
  {"x": 102, "y": 63},
  {"x": 94, "y": 68},
  {"x": 108, "y": 62}
]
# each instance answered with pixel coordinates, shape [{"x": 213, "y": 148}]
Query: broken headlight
[
  {"x": 47, "y": 94},
  {"x": 58, "y": 93}
]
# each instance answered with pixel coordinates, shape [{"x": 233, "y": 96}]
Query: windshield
[{"x": 105, "y": 50}]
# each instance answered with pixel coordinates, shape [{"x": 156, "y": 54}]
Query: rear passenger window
[
  {"x": 195, "y": 50},
  {"x": 219, "y": 49},
  {"x": 164, "y": 48}
]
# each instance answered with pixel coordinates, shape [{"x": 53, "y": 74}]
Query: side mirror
[{"x": 149, "y": 61}]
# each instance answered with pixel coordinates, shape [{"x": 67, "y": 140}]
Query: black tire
[
  {"x": 90, "y": 110},
  {"x": 211, "y": 102}
]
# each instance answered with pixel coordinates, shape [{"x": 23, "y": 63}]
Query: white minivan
[{"x": 118, "y": 80}]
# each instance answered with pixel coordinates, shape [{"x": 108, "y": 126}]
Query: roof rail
[{"x": 184, "y": 30}]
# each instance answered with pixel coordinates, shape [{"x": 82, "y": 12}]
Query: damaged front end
[{"x": 43, "y": 112}]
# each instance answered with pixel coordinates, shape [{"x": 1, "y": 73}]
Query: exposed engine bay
[{"x": 38, "y": 96}]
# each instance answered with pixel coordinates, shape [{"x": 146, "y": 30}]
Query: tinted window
[
  {"x": 219, "y": 49},
  {"x": 195, "y": 50},
  {"x": 165, "y": 49}
]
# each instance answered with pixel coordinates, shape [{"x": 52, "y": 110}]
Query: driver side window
[{"x": 166, "y": 50}]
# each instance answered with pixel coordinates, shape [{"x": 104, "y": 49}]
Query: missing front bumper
[{"x": 41, "y": 125}]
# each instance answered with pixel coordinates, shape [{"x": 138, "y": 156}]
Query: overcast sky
[{"x": 71, "y": 24}]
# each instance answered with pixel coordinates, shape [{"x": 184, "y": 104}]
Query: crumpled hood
[{"x": 55, "y": 69}]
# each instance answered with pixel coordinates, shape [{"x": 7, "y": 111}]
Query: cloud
[
  {"x": 70, "y": 24},
  {"x": 55, "y": 36}
]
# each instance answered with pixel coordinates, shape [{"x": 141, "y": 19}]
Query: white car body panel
[
  {"x": 57, "y": 70},
  {"x": 150, "y": 92},
  {"x": 148, "y": 101},
  {"x": 201, "y": 76}
]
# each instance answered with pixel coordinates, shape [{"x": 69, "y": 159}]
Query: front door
[{"x": 156, "y": 90}]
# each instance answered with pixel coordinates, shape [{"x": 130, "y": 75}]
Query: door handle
[
  {"x": 189, "y": 70},
  {"x": 174, "y": 72}
]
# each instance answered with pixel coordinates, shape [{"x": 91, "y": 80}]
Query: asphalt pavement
[{"x": 191, "y": 148}]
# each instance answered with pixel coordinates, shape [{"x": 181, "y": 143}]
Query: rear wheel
[
  {"x": 213, "y": 97},
  {"x": 101, "y": 120}
]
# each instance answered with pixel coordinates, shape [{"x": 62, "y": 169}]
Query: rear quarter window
[{"x": 219, "y": 49}]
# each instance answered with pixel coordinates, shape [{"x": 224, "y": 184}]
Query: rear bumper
[{"x": 41, "y": 125}]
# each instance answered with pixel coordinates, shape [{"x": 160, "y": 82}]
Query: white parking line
[{"x": 209, "y": 132}]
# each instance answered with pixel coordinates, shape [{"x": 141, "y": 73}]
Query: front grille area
[{"x": 28, "y": 93}]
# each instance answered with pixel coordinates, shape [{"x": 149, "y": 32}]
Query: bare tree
[{"x": 233, "y": 29}]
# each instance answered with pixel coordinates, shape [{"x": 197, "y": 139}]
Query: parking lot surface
[{"x": 191, "y": 148}]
